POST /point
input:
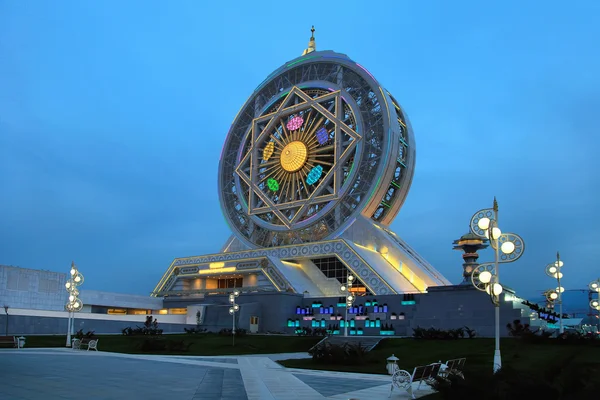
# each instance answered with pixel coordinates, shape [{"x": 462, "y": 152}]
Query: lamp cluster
[
  {"x": 347, "y": 290},
  {"x": 554, "y": 296},
  {"x": 234, "y": 307},
  {"x": 595, "y": 287},
  {"x": 508, "y": 248},
  {"x": 74, "y": 304}
]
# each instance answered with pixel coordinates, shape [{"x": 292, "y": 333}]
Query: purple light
[
  {"x": 322, "y": 135},
  {"x": 295, "y": 123}
]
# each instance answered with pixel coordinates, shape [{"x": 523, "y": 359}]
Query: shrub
[
  {"x": 305, "y": 331},
  {"x": 80, "y": 335},
  {"x": 193, "y": 331},
  {"x": 563, "y": 379},
  {"x": 345, "y": 354},
  {"x": 150, "y": 328},
  {"x": 228, "y": 332},
  {"x": 440, "y": 334}
]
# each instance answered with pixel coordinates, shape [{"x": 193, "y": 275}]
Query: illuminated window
[
  {"x": 139, "y": 312},
  {"x": 228, "y": 283},
  {"x": 178, "y": 311},
  {"x": 163, "y": 312},
  {"x": 117, "y": 311}
]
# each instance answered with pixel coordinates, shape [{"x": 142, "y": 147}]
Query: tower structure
[
  {"x": 315, "y": 167},
  {"x": 470, "y": 244}
]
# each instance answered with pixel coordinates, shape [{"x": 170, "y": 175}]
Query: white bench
[
  {"x": 454, "y": 367},
  {"x": 88, "y": 343},
  {"x": 404, "y": 380}
]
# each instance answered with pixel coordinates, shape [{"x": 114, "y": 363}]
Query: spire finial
[
  {"x": 495, "y": 204},
  {"x": 312, "y": 46}
]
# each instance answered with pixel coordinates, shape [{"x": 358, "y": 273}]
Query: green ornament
[{"x": 273, "y": 184}]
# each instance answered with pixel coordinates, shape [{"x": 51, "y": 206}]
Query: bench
[
  {"x": 454, "y": 367},
  {"x": 79, "y": 344},
  {"x": 9, "y": 341},
  {"x": 12, "y": 341},
  {"x": 404, "y": 379}
]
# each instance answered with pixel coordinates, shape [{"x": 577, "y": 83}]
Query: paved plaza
[{"x": 68, "y": 374}]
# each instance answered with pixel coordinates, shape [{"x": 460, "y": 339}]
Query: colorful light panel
[
  {"x": 295, "y": 123},
  {"x": 268, "y": 151},
  {"x": 322, "y": 135},
  {"x": 314, "y": 175},
  {"x": 273, "y": 184}
]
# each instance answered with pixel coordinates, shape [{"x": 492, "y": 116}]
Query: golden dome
[{"x": 293, "y": 156}]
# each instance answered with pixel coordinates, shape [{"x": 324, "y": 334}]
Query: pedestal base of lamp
[{"x": 497, "y": 361}]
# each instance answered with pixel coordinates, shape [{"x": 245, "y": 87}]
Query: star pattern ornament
[{"x": 288, "y": 135}]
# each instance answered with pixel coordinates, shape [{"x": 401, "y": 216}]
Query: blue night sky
[{"x": 113, "y": 114}]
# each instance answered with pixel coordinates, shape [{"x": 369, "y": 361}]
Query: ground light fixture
[{"x": 508, "y": 247}]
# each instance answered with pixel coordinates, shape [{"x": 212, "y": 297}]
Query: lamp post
[
  {"x": 595, "y": 303},
  {"x": 232, "y": 310},
  {"x": 73, "y": 304},
  {"x": 347, "y": 290},
  {"x": 508, "y": 247},
  {"x": 553, "y": 270}
]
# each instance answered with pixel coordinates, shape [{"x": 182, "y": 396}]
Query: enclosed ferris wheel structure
[{"x": 315, "y": 167}]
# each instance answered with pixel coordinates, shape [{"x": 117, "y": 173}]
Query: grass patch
[
  {"x": 201, "y": 345},
  {"x": 479, "y": 354}
]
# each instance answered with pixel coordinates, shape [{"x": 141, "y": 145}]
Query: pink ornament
[{"x": 295, "y": 123}]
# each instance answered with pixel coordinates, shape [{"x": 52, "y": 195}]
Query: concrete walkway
[{"x": 71, "y": 374}]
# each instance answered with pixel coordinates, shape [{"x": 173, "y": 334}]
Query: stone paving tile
[{"x": 329, "y": 386}]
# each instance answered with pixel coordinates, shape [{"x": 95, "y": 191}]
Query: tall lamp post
[
  {"x": 232, "y": 310},
  {"x": 508, "y": 247},
  {"x": 595, "y": 303},
  {"x": 74, "y": 304},
  {"x": 347, "y": 289},
  {"x": 553, "y": 270}
]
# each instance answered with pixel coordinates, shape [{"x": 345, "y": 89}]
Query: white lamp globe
[
  {"x": 497, "y": 289},
  {"x": 68, "y": 285},
  {"x": 552, "y": 270},
  {"x": 558, "y": 275},
  {"x": 560, "y": 289},
  {"x": 73, "y": 271},
  {"x": 77, "y": 278},
  {"x": 595, "y": 286},
  {"x": 559, "y": 264},
  {"x": 507, "y": 247},
  {"x": 496, "y": 233},
  {"x": 76, "y": 305},
  {"x": 350, "y": 298},
  {"x": 71, "y": 298},
  {"x": 231, "y": 311},
  {"x": 343, "y": 288},
  {"x": 236, "y": 307},
  {"x": 350, "y": 278},
  {"x": 483, "y": 223},
  {"x": 236, "y": 293},
  {"x": 595, "y": 303},
  {"x": 485, "y": 277},
  {"x": 553, "y": 295}
]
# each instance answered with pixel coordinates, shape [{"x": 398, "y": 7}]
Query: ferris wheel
[{"x": 317, "y": 144}]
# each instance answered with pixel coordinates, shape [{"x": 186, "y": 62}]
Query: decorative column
[{"x": 469, "y": 243}]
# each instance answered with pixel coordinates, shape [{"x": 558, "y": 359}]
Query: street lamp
[
  {"x": 347, "y": 290},
  {"x": 508, "y": 247},
  {"x": 74, "y": 304},
  {"x": 553, "y": 270},
  {"x": 232, "y": 310},
  {"x": 595, "y": 303}
]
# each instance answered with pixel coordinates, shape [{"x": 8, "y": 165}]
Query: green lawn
[
  {"x": 201, "y": 345},
  {"x": 478, "y": 352}
]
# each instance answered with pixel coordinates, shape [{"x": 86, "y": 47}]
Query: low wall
[{"x": 40, "y": 322}]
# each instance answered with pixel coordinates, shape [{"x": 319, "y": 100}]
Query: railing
[{"x": 223, "y": 291}]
